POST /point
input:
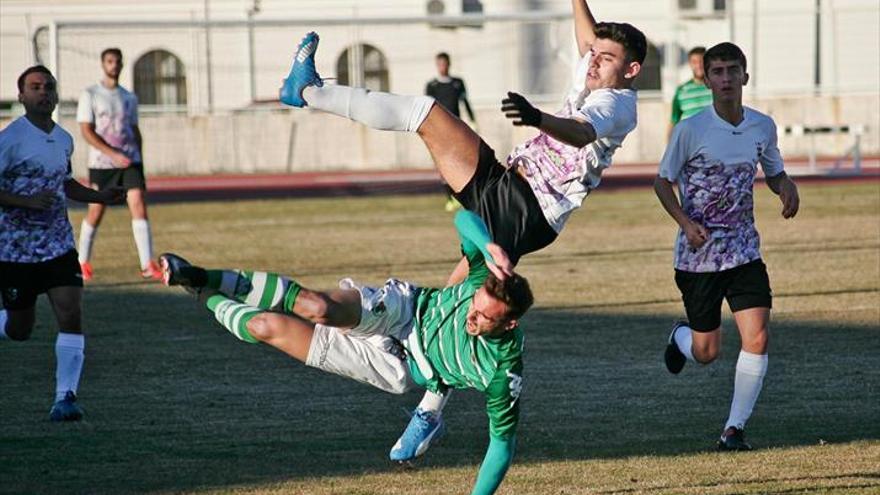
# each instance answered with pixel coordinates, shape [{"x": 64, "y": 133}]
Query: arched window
[
  {"x": 160, "y": 79},
  {"x": 363, "y": 66},
  {"x": 649, "y": 78}
]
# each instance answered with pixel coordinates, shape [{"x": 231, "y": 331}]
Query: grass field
[{"x": 174, "y": 404}]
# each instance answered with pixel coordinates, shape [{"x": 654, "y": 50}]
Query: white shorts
[{"x": 371, "y": 352}]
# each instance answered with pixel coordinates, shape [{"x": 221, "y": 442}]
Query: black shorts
[
  {"x": 505, "y": 201},
  {"x": 745, "y": 286},
  {"x": 131, "y": 177},
  {"x": 21, "y": 283}
]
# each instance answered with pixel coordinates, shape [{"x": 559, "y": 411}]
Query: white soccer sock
[
  {"x": 143, "y": 239},
  {"x": 434, "y": 402},
  {"x": 3, "y": 335},
  {"x": 69, "y": 362},
  {"x": 376, "y": 110},
  {"x": 684, "y": 339},
  {"x": 750, "y": 371},
  {"x": 87, "y": 233}
]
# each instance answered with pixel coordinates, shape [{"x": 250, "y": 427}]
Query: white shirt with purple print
[
  {"x": 33, "y": 161},
  {"x": 714, "y": 164},
  {"x": 115, "y": 115},
  {"x": 560, "y": 175}
]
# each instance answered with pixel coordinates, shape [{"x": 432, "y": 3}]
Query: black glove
[{"x": 516, "y": 107}]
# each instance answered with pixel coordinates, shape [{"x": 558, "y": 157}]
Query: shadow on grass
[{"x": 175, "y": 403}]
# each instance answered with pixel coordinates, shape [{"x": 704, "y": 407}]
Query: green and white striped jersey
[
  {"x": 690, "y": 99},
  {"x": 442, "y": 353}
]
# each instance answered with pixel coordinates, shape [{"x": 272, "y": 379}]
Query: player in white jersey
[
  {"x": 108, "y": 120},
  {"x": 37, "y": 254},
  {"x": 526, "y": 202},
  {"x": 713, "y": 157}
]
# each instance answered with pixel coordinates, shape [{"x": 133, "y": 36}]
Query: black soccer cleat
[
  {"x": 673, "y": 356},
  {"x": 733, "y": 439},
  {"x": 178, "y": 271},
  {"x": 66, "y": 409}
]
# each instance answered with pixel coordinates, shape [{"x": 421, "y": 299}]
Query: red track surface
[{"x": 315, "y": 184}]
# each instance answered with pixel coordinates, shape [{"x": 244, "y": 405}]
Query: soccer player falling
[
  {"x": 395, "y": 336},
  {"x": 526, "y": 202}
]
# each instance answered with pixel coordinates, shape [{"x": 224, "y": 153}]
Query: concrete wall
[{"x": 281, "y": 140}]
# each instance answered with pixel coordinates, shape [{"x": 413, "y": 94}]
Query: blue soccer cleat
[
  {"x": 424, "y": 427},
  {"x": 303, "y": 72},
  {"x": 66, "y": 409}
]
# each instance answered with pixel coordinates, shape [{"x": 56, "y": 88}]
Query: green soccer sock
[
  {"x": 259, "y": 289},
  {"x": 234, "y": 316}
]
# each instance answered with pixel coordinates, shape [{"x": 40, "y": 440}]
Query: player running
[
  {"x": 37, "y": 253},
  {"x": 463, "y": 336},
  {"x": 713, "y": 157},
  {"x": 526, "y": 202}
]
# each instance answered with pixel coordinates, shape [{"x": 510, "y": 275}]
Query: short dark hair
[
  {"x": 114, "y": 51},
  {"x": 725, "y": 52},
  {"x": 635, "y": 45},
  {"x": 443, "y": 55},
  {"x": 513, "y": 291},
  {"x": 30, "y": 70},
  {"x": 697, "y": 50}
]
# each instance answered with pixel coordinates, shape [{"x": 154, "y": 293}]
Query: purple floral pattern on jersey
[
  {"x": 30, "y": 236},
  {"x": 720, "y": 197}
]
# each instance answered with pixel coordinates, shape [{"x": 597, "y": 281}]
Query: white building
[{"x": 209, "y": 72}]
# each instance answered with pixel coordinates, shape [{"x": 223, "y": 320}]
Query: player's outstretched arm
[
  {"x": 569, "y": 131},
  {"x": 40, "y": 201},
  {"x": 78, "y": 192},
  {"x": 498, "y": 458},
  {"x": 476, "y": 243},
  {"x": 584, "y": 26},
  {"x": 787, "y": 190}
]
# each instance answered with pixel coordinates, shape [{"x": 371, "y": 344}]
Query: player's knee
[
  {"x": 19, "y": 333},
  {"x": 757, "y": 343},
  {"x": 315, "y": 306},
  {"x": 706, "y": 354},
  {"x": 264, "y": 326}
]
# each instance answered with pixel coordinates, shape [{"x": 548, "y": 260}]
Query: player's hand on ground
[
  {"x": 502, "y": 268},
  {"x": 41, "y": 201},
  {"x": 113, "y": 195},
  {"x": 517, "y": 108},
  {"x": 791, "y": 201},
  {"x": 120, "y": 160},
  {"x": 696, "y": 234}
]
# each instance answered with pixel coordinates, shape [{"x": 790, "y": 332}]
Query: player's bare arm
[
  {"x": 584, "y": 26},
  {"x": 573, "y": 132},
  {"x": 88, "y": 131},
  {"x": 41, "y": 201},
  {"x": 787, "y": 190},
  {"x": 696, "y": 233}
]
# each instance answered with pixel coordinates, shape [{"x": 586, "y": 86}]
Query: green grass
[{"x": 176, "y": 405}]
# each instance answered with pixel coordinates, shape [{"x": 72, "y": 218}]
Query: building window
[
  {"x": 649, "y": 77},
  {"x": 363, "y": 66},
  {"x": 160, "y": 79}
]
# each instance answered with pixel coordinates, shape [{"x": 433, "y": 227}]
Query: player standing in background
[
  {"x": 108, "y": 119},
  {"x": 713, "y": 157},
  {"x": 693, "y": 96},
  {"x": 37, "y": 253},
  {"x": 449, "y": 92},
  {"x": 464, "y": 336},
  {"x": 526, "y": 202}
]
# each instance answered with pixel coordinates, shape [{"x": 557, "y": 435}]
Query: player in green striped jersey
[
  {"x": 693, "y": 96},
  {"x": 462, "y": 336}
]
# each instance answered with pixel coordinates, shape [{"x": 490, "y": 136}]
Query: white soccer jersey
[
  {"x": 561, "y": 175},
  {"x": 114, "y": 113},
  {"x": 714, "y": 164},
  {"x": 33, "y": 161}
]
